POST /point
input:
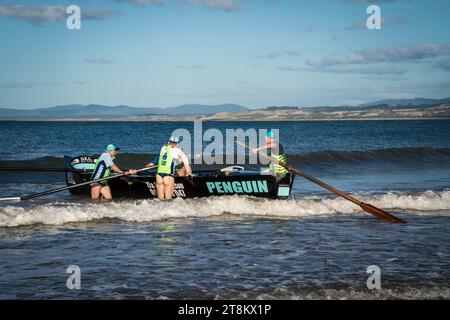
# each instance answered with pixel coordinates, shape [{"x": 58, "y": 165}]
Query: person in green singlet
[
  {"x": 274, "y": 150},
  {"x": 171, "y": 162}
]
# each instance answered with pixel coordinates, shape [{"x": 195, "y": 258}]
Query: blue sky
[{"x": 258, "y": 53}]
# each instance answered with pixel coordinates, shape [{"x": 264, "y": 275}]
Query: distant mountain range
[
  {"x": 407, "y": 102},
  {"x": 385, "y": 108},
  {"x": 100, "y": 111}
]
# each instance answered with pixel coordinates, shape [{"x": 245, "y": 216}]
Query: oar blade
[{"x": 381, "y": 213}]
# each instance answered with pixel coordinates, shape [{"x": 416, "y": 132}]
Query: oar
[
  {"x": 377, "y": 212},
  {"x": 39, "y": 169},
  {"x": 40, "y": 194}
]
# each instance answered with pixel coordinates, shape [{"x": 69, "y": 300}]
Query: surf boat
[{"x": 233, "y": 180}]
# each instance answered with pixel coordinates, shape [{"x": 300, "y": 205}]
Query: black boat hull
[{"x": 203, "y": 184}]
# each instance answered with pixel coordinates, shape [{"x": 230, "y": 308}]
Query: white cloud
[
  {"x": 354, "y": 70},
  {"x": 40, "y": 14},
  {"x": 270, "y": 56},
  {"x": 370, "y": 1},
  {"x": 279, "y": 54},
  {"x": 143, "y": 2},
  {"x": 27, "y": 85},
  {"x": 290, "y": 68},
  {"x": 99, "y": 60},
  {"x": 384, "y": 22},
  {"x": 221, "y": 5},
  {"x": 190, "y": 67},
  {"x": 444, "y": 65},
  {"x": 396, "y": 54},
  {"x": 291, "y": 52}
]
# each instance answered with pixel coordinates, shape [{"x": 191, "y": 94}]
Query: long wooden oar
[
  {"x": 24, "y": 169},
  {"x": 377, "y": 212},
  {"x": 40, "y": 194}
]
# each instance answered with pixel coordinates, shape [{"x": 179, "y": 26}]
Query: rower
[
  {"x": 102, "y": 169},
  {"x": 172, "y": 162},
  {"x": 274, "y": 150}
]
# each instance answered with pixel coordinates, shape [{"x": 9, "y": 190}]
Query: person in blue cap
[
  {"x": 171, "y": 161},
  {"x": 104, "y": 165},
  {"x": 275, "y": 150}
]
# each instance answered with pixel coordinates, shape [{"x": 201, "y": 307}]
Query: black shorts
[
  {"x": 163, "y": 175},
  {"x": 101, "y": 184}
]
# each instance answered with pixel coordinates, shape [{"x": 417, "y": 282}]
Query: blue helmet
[
  {"x": 111, "y": 147},
  {"x": 174, "y": 139}
]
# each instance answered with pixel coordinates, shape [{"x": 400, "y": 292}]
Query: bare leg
[
  {"x": 106, "y": 192},
  {"x": 95, "y": 191},
  {"x": 169, "y": 184},
  {"x": 160, "y": 187}
]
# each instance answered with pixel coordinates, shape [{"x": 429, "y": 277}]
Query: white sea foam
[
  {"x": 153, "y": 210},
  {"x": 349, "y": 294}
]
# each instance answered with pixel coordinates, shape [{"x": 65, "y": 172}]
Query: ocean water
[{"x": 311, "y": 246}]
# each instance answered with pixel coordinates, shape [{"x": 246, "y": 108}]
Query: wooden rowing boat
[{"x": 228, "y": 181}]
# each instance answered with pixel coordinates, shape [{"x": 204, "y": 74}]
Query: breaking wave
[
  {"x": 399, "y": 156},
  {"x": 153, "y": 210},
  {"x": 393, "y": 155}
]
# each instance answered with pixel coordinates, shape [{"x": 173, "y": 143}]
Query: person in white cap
[{"x": 171, "y": 162}]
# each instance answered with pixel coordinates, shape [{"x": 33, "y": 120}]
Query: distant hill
[
  {"x": 418, "y": 108},
  {"x": 379, "y": 112},
  {"x": 94, "y": 110},
  {"x": 282, "y": 108},
  {"x": 189, "y": 109},
  {"x": 407, "y": 102}
]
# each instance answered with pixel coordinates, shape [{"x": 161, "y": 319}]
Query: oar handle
[
  {"x": 39, "y": 169},
  {"x": 10, "y": 199}
]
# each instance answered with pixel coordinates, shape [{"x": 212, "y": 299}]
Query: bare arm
[
  {"x": 267, "y": 146},
  {"x": 152, "y": 164},
  {"x": 116, "y": 169},
  {"x": 186, "y": 164}
]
